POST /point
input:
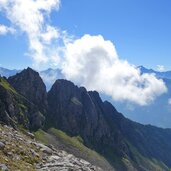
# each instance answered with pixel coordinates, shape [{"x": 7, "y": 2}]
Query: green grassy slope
[{"x": 73, "y": 145}]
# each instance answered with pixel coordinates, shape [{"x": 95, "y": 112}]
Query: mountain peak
[
  {"x": 64, "y": 86},
  {"x": 30, "y": 71},
  {"x": 29, "y": 84}
]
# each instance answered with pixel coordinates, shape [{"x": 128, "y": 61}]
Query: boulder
[{"x": 2, "y": 145}]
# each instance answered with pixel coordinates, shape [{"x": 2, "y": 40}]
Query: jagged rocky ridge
[{"x": 125, "y": 144}]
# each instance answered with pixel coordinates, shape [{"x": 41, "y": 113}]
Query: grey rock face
[
  {"x": 73, "y": 110},
  {"x": 78, "y": 112},
  {"x": 16, "y": 109}
]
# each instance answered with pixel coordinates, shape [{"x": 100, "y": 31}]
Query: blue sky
[{"x": 140, "y": 30}]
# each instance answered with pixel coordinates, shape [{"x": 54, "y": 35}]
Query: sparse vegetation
[
  {"x": 75, "y": 101},
  {"x": 73, "y": 145},
  {"x": 40, "y": 135},
  {"x": 145, "y": 162},
  {"x": 6, "y": 85},
  {"x": 22, "y": 106},
  {"x": 76, "y": 142},
  {"x": 17, "y": 155}
]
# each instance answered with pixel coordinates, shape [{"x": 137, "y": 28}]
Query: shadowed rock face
[
  {"x": 29, "y": 84},
  {"x": 78, "y": 112},
  {"x": 73, "y": 110},
  {"x": 16, "y": 110}
]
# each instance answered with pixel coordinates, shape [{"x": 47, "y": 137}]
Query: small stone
[
  {"x": 34, "y": 153},
  {"x": 54, "y": 158},
  {"x": 2, "y": 145},
  {"x": 15, "y": 132},
  {"x": 10, "y": 154},
  {"x": 3, "y": 167},
  {"x": 84, "y": 162},
  {"x": 5, "y": 126},
  {"x": 30, "y": 135},
  {"x": 20, "y": 147},
  {"x": 45, "y": 149},
  {"x": 21, "y": 139},
  {"x": 52, "y": 147},
  {"x": 6, "y": 160},
  {"x": 16, "y": 157}
]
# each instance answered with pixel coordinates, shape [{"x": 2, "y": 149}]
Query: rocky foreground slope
[{"x": 21, "y": 152}]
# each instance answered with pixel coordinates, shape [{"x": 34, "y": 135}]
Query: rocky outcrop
[
  {"x": 78, "y": 112},
  {"x": 74, "y": 111},
  {"x": 16, "y": 110},
  {"x": 29, "y": 84},
  {"x": 61, "y": 161},
  {"x": 22, "y": 152}
]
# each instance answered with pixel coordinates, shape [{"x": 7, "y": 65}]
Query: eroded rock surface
[{"x": 21, "y": 152}]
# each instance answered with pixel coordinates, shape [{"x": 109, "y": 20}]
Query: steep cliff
[
  {"x": 79, "y": 112},
  {"x": 16, "y": 110},
  {"x": 29, "y": 84}
]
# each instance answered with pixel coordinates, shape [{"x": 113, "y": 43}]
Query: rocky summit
[
  {"x": 72, "y": 129},
  {"x": 29, "y": 84}
]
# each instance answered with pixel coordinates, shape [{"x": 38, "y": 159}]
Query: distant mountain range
[
  {"x": 8, "y": 72},
  {"x": 49, "y": 76},
  {"x": 158, "y": 113},
  {"x": 72, "y": 111},
  {"x": 165, "y": 74}
]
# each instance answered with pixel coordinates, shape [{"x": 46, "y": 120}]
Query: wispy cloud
[
  {"x": 5, "y": 30},
  {"x": 31, "y": 17}
]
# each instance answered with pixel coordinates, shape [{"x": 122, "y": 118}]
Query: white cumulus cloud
[{"x": 93, "y": 62}]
